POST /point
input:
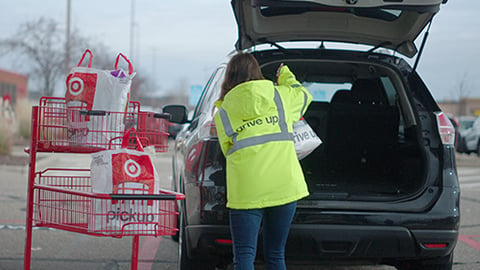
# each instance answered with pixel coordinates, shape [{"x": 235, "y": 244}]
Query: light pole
[
  {"x": 67, "y": 43},
  {"x": 132, "y": 26},
  {"x": 154, "y": 69}
]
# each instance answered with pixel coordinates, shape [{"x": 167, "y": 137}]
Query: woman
[{"x": 264, "y": 178}]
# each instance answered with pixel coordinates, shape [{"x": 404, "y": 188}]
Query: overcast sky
[{"x": 183, "y": 40}]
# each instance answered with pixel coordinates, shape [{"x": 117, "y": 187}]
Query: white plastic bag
[
  {"x": 94, "y": 89},
  {"x": 124, "y": 171},
  {"x": 304, "y": 138}
]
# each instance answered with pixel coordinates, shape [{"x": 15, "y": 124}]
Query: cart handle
[
  {"x": 167, "y": 194},
  {"x": 93, "y": 112},
  {"x": 64, "y": 169},
  {"x": 120, "y": 197}
]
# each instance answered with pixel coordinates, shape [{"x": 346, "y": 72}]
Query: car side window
[
  {"x": 214, "y": 93},
  {"x": 211, "y": 91},
  {"x": 390, "y": 91}
]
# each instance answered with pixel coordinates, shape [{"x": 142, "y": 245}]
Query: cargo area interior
[{"x": 370, "y": 152}]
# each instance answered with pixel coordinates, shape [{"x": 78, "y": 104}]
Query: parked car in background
[
  {"x": 383, "y": 185},
  {"x": 465, "y": 122},
  {"x": 469, "y": 138}
]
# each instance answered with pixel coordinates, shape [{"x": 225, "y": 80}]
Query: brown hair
[{"x": 243, "y": 67}]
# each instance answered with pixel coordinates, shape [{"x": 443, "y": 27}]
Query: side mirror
[{"x": 178, "y": 113}]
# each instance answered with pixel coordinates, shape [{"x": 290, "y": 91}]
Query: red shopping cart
[{"x": 62, "y": 198}]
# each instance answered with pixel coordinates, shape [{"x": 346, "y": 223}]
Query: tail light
[
  {"x": 435, "y": 245},
  {"x": 445, "y": 129},
  {"x": 221, "y": 241}
]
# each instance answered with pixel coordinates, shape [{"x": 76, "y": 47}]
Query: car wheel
[
  {"x": 176, "y": 236},
  {"x": 443, "y": 263},
  {"x": 174, "y": 188},
  {"x": 185, "y": 263}
]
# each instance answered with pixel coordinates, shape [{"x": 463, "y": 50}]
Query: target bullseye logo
[
  {"x": 76, "y": 86},
  {"x": 132, "y": 168}
]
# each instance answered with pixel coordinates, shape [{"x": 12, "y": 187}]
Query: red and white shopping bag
[
  {"x": 124, "y": 171},
  {"x": 95, "y": 89}
]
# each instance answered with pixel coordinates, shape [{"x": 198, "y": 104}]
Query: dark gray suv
[{"x": 383, "y": 185}]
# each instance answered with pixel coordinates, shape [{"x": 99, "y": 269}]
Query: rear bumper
[
  {"x": 355, "y": 236},
  {"x": 313, "y": 242},
  {"x": 202, "y": 241}
]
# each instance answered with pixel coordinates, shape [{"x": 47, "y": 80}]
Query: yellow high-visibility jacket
[{"x": 254, "y": 125}]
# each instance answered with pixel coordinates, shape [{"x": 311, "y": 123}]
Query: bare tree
[
  {"x": 41, "y": 46},
  {"x": 461, "y": 92},
  {"x": 41, "y": 42},
  {"x": 462, "y": 89}
]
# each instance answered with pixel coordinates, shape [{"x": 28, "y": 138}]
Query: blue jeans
[{"x": 245, "y": 226}]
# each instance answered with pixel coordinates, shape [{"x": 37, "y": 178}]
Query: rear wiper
[
  {"x": 280, "y": 48},
  {"x": 274, "y": 44}
]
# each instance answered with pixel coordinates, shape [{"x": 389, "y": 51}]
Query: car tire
[
  {"x": 185, "y": 263},
  {"x": 443, "y": 263},
  {"x": 177, "y": 205},
  {"x": 176, "y": 236}
]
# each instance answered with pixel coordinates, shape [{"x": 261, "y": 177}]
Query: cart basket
[{"x": 63, "y": 200}]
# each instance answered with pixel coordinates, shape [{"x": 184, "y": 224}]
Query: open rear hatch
[
  {"x": 371, "y": 152},
  {"x": 392, "y": 24}
]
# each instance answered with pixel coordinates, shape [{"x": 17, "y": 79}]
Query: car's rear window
[{"x": 324, "y": 91}]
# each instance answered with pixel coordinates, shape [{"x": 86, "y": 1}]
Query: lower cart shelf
[{"x": 63, "y": 200}]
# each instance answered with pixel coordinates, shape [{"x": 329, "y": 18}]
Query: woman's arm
[{"x": 298, "y": 96}]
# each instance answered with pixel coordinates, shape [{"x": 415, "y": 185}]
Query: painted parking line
[
  {"x": 470, "y": 240},
  {"x": 21, "y": 227},
  {"x": 12, "y": 221},
  {"x": 12, "y": 224},
  {"x": 469, "y": 178},
  {"x": 469, "y": 185},
  {"x": 147, "y": 251}
]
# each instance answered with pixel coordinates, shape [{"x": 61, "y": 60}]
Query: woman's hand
[{"x": 278, "y": 71}]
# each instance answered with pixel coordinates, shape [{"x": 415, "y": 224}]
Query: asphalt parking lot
[{"x": 55, "y": 249}]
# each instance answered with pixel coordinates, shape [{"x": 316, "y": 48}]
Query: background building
[
  {"x": 13, "y": 84},
  {"x": 465, "y": 106}
]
